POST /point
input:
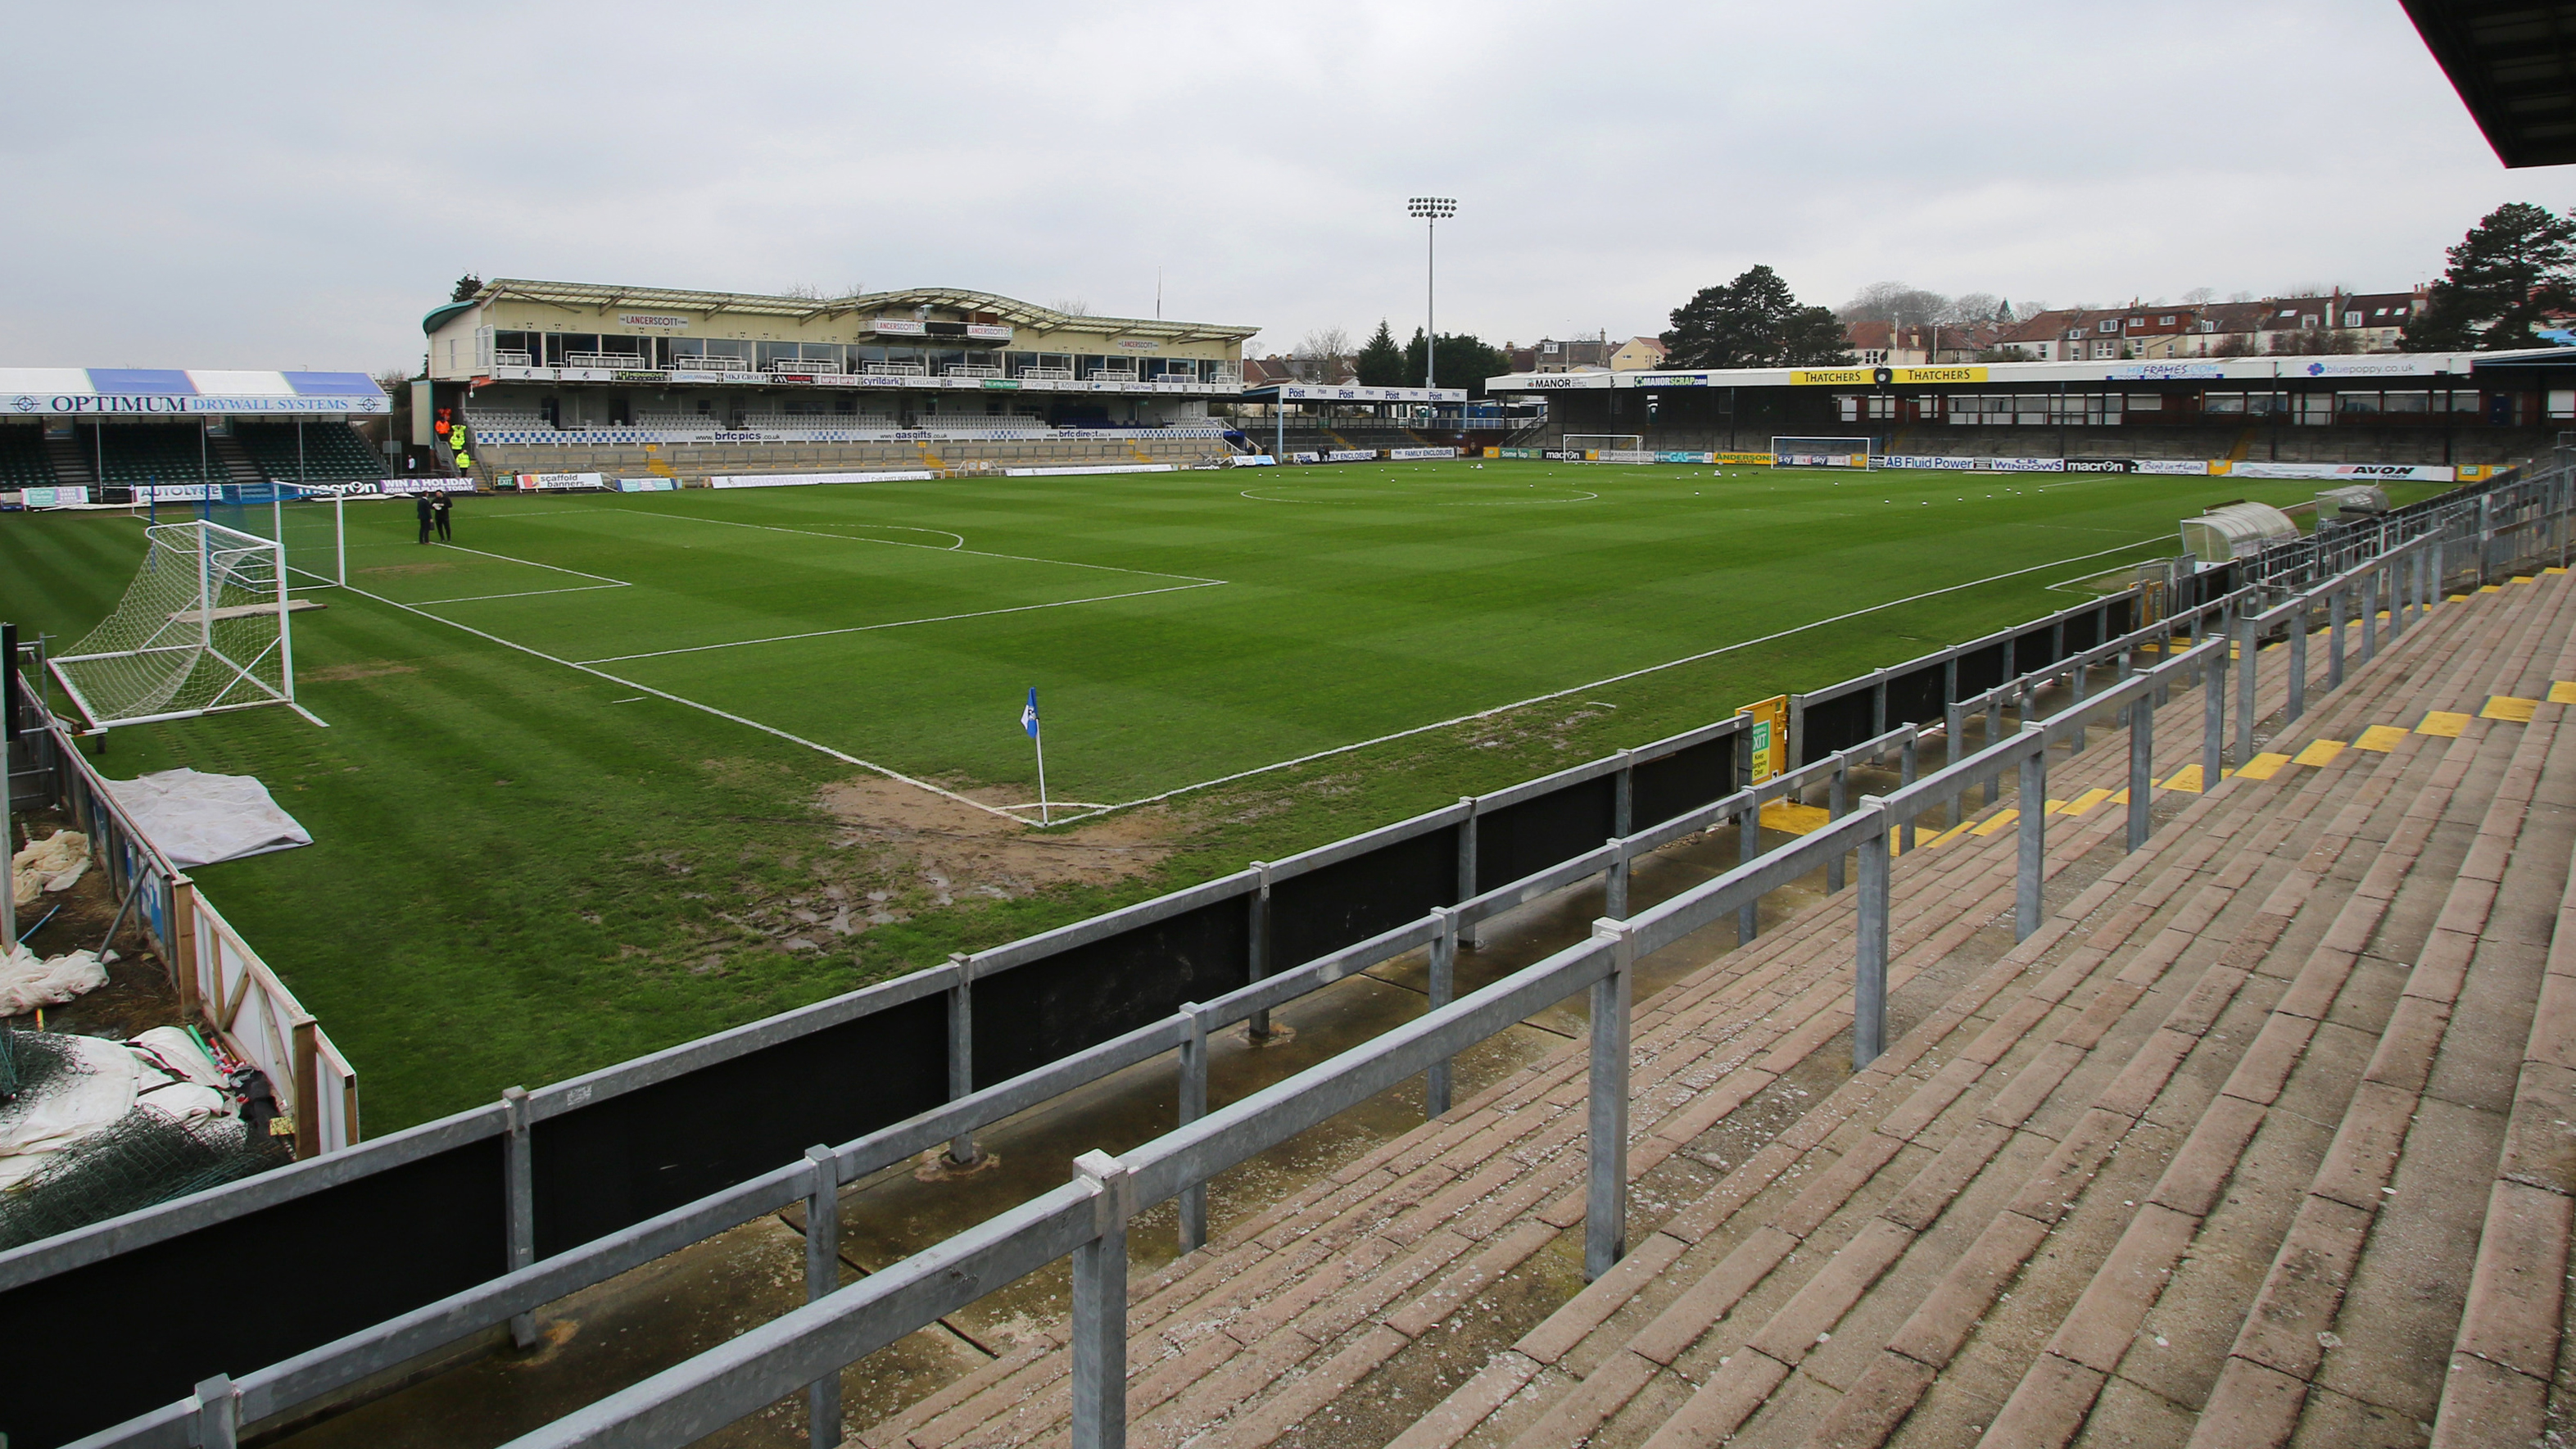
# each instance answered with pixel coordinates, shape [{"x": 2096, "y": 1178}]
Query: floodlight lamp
[{"x": 1431, "y": 207}]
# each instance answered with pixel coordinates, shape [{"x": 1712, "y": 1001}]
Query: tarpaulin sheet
[{"x": 199, "y": 819}]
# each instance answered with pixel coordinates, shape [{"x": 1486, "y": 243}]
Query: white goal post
[
  {"x": 1607, "y": 448},
  {"x": 203, "y": 628},
  {"x": 1822, "y": 452},
  {"x": 308, "y": 523}
]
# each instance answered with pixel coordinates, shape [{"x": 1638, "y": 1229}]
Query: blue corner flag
[{"x": 1029, "y": 713}]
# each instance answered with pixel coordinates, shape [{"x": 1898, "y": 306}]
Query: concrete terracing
[{"x": 2261, "y": 1138}]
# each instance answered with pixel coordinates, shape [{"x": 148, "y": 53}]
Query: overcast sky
[{"x": 256, "y": 185}]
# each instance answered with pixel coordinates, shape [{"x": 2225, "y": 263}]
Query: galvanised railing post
[
  {"x": 1191, "y": 1203},
  {"x": 1605, "y": 1198},
  {"x": 1100, "y": 1308},
  {"x": 961, "y": 1049},
  {"x": 2369, "y": 614},
  {"x": 519, "y": 1189},
  {"x": 2142, "y": 770},
  {"x": 1258, "y": 948},
  {"x": 1836, "y": 804},
  {"x": 2245, "y": 642},
  {"x": 2297, "y": 703},
  {"x": 1614, "y": 879},
  {"x": 1444, "y": 989},
  {"x": 1954, "y": 728},
  {"x": 1467, "y": 861},
  {"x": 2075, "y": 687},
  {"x": 2213, "y": 744},
  {"x": 2031, "y": 830},
  {"x": 1905, "y": 754},
  {"x": 218, "y": 1423},
  {"x": 822, "y": 1278},
  {"x": 2334, "y": 637},
  {"x": 1869, "y": 944},
  {"x": 1748, "y": 844}
]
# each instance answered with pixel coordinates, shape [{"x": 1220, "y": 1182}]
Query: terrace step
[{"x": 1732, "y": 1392}]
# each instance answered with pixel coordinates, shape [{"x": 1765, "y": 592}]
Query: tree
[
  {"x": 2517, "y": 265},
  {"x": 1321, "y": 356},
  {"x": 1971, "y": 307},
  {"x": 1753, "y": 321},
  {"x": 1074, "y": 307},
  {"x": 1906, "y": 306},
  {"x": 2200, "y": 296},
  {"x": 1465, "y": 361},
  {"x": 466, "y": 287},
  {"x": 1381, "y": 363}
]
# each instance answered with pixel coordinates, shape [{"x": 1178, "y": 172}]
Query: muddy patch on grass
[
  {"x": 956, "y": 850},
  {"x": 339, "y": 672}
]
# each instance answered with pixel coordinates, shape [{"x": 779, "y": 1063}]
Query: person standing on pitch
[
  {"x": 440, "y": 506},
  {"x": 421, "y": 505}
]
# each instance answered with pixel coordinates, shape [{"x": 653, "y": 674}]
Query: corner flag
[{"x": 1029, "y": 722}]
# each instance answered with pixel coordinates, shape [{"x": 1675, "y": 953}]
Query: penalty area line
[
  {"x": 772, "y": 730},
  {"x": 1615, "y": 678},
  {"x": 900, "y": 623}
]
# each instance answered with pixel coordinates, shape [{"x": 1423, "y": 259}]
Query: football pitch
[{"x": 572, "y": 755}]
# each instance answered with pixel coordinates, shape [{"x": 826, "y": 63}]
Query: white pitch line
[
  {"x": 901, "y": 623},
  {"x": 1612, "y": 679},
  {"x": 899, "y": 543},
  {"x": 524, "y": 594},
  {"x": 531, "y": 563},
  {"x": 693, "y": 704}
]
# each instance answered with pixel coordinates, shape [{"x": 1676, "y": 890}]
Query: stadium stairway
[
  {"x": 71, "y": 466},
  {"x": 2151, "y": 1175},
  {"x": 235, "y": 461}
]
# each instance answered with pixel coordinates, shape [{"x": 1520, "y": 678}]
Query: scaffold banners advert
[
  {"x": 2355, "y": 472},
  {"x": 1768, "y": 740},
  {"x": 1405, "y": 455},
  {"x": 559, "y": 482}
]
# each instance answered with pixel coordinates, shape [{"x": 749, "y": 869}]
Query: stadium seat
[
  {"x": 23, "y": 463},
  {"x": 331, "y": 452}
]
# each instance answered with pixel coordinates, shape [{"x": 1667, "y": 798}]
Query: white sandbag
[
  {"x": 51, "y": 864},
  {"x": 199, "y": 819},
  {"x": 27, "y": 983},
  {"x": 88, "y": 1100}
]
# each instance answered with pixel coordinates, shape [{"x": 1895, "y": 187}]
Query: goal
[
  {"x": 201, "y": 629},
  {"x": 306, "y": 523},
  {"x": 1822, "y": 452},
  {"x": 1607, "y": 448}
]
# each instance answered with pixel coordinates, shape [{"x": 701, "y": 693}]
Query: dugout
[
  {"x": 98, "y": 434},
  {"x": 2442, "y": 409}
]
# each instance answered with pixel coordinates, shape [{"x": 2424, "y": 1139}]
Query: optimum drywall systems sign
[{"x": 72, "y": 392}]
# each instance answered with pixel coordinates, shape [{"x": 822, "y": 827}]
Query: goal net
[
  {"x": 202, "y": 628},
  {"x": 1607, "y": 448},
  {"x": 306, "y": 522},
  {"x": 1822, "y": 452}
]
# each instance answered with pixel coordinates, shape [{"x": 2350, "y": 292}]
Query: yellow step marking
[
  {"x": 2522, "y": 578},
  {"x": 2319, "y": 752},
  {"x": 2086, "y": 801},
  {"x": 2120, "y": 799},
  {"x": 2188, "y": 778},
  {"x": 2562, "y": 692},
  {"x": 2489, "y": 589},
  {"x": 2507, "y": 707},
  {"x": 1795, "y": 819},
  {"x": 2553, "y": 569},
  {"x": 2264, "y": 766},
  {"x": 2002, "y": 818},
  {"x": 2380, "y": 738},
  {"x": 1946, "y": 836},
  {"x": 2443, "y": 722},
  {"x": 2455, "y": 598}
]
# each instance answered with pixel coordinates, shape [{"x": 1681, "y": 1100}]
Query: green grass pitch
[{"x": 543, "y": 789}]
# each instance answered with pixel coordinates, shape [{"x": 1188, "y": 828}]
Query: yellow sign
[
  {"x": 1770, "y": 738},
  {"x": 1493, "y": 452},
  {"x": 1940, "y": 374},
  {"x": 1832, "y": 377},
  {"x": 1759, "y": 460}
]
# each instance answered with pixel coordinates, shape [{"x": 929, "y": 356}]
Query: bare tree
[
  {"x": 802, "y": 291},
  {"x": 1074, "y": 308},
  {"x": 2240, "y": 296},
  {"x": 1898, "y": 302},
  {"x": 1323, "y": 354},
  {"x": 1970, "y": 307},
  {"x": 2200, "y": 296}
]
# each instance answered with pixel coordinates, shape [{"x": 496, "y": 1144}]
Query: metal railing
[{"x": 1095, "y": 1209}]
